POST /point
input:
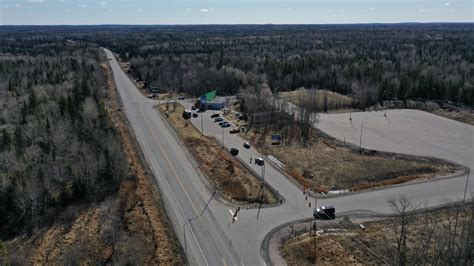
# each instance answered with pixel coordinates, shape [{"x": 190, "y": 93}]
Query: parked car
[
  {"x": 259, "y": 161},
  {"x": 193, "y": 108},
  {"x": 181, "y": 98},
  {"x": 234, "y": 151},
  {"x": 325, "y": 213},
  {"x": 195, "y": 115},
  {"x": 247, "y": 145},
  {"x": 214, "y": 115},
  {"x": 219, "y": 119},
  {"x": 225, "y": 124},
  {"x": 234, "y": 130}
]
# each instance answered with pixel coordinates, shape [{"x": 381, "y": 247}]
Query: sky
[{"x": 88, "y": 12}]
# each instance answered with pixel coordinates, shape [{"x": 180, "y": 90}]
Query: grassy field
[
  {"x": 332, "y": 166},
  {"x": 377, "y": 244},
  {"x": 303, "y": 96},
  {"x": 235, "y": 182}
]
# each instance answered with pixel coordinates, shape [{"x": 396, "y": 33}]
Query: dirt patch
[
  {"x": 235, "y": 182},
  {"x": 332, "y": 165}
]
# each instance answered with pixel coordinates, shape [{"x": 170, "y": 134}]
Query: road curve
[{"x": 210, "y": 239}]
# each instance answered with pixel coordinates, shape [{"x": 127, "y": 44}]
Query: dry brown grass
[
  {"x": 235, "y": 182},
  {"x": 333, "y": 166},
  {"x": 355, "y": 246},
  {"x": 334, "y": 99},
  {"x": 329, "y": 251},
  {"x": 465, "y": 116}
]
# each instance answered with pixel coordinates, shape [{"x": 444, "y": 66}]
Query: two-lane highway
[
  {"x": 211, "y": 239},
  {"x": 184, "y": 194}
]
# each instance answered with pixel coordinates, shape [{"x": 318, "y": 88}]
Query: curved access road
[{"x": 202, "y": 223}]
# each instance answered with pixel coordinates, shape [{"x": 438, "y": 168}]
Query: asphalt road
[{"x": 209, "y": 238}]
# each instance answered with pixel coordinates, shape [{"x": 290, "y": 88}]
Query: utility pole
[
  {"x": 467, "y": 182},
  {"x": 202, "y": 126},
  {"x": 261, "y": 199},
  {"x": 360, "y": 142},
  {"x": 315, "y": 224},
  {"x": 222, "y": 137}
]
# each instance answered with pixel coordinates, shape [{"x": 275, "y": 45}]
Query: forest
[
  {"x": 371, "y": 63},
  {"x": 58, "y": 147}
]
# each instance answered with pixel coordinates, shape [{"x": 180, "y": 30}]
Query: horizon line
[{"x": 245, "y": 24}]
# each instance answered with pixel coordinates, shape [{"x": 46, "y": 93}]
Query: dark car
[
  {"x": 247, "y": 145},
  {"x": 193, "y": 108},
  {"x": 225, "y": 124},
  {"x": 214, "y": 115},
  {"x": 325, "y": 213},
  {"x": 219, "y": 119},
  {"x": 234, "y": 151},
  {"x": 234, "y": 130},
  {"x": 259, "y": 161},
  {"x": 195, "y": 115}
]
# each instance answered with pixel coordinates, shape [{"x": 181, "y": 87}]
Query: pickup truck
[{"x": 325, "y": 213}]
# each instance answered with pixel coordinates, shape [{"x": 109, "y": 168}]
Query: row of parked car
[{"x": 220, "y": 120}]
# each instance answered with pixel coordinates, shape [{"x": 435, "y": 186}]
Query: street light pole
[
  {"x": 467, "y": 182},
  {"x": 202, "y": 126},
  {"x": 222, "y": 137},
  {"x": 360, "y": 143}
]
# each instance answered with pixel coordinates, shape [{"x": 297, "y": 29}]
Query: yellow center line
[{"x": 169, "y": 162}]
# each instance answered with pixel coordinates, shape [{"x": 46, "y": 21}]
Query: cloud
[
  {"x": 139, "y": 10},
  {"x": 103, "y": 3},
  {"x": 35, "y": 1},
  {"x": 452, "y": 10},
  {"x": 204, "y": 10},
  {"x": 68, "y": 10},
  {"x": 371, "y": 9},
  {"x": 447, "y": 4}
]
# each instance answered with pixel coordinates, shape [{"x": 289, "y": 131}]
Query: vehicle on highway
[
  {"x": 234, "y": 130},
  {"x": 214, "y": 115},
  {"x": 247, "y": 145},
  {"x": 234, "y": 151},
  {"x": 195, "y": 115},
  {"x": 259, "y": 161},
  {"x": 219, "y": 119},
  {"x": 325, "y": 213},
  {"x": 225, "y": 124}
]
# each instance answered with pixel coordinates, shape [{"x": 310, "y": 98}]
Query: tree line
[{"x": 371, "y": 63}]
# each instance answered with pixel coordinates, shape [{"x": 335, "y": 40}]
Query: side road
[{"x": 203, "y": 225}]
